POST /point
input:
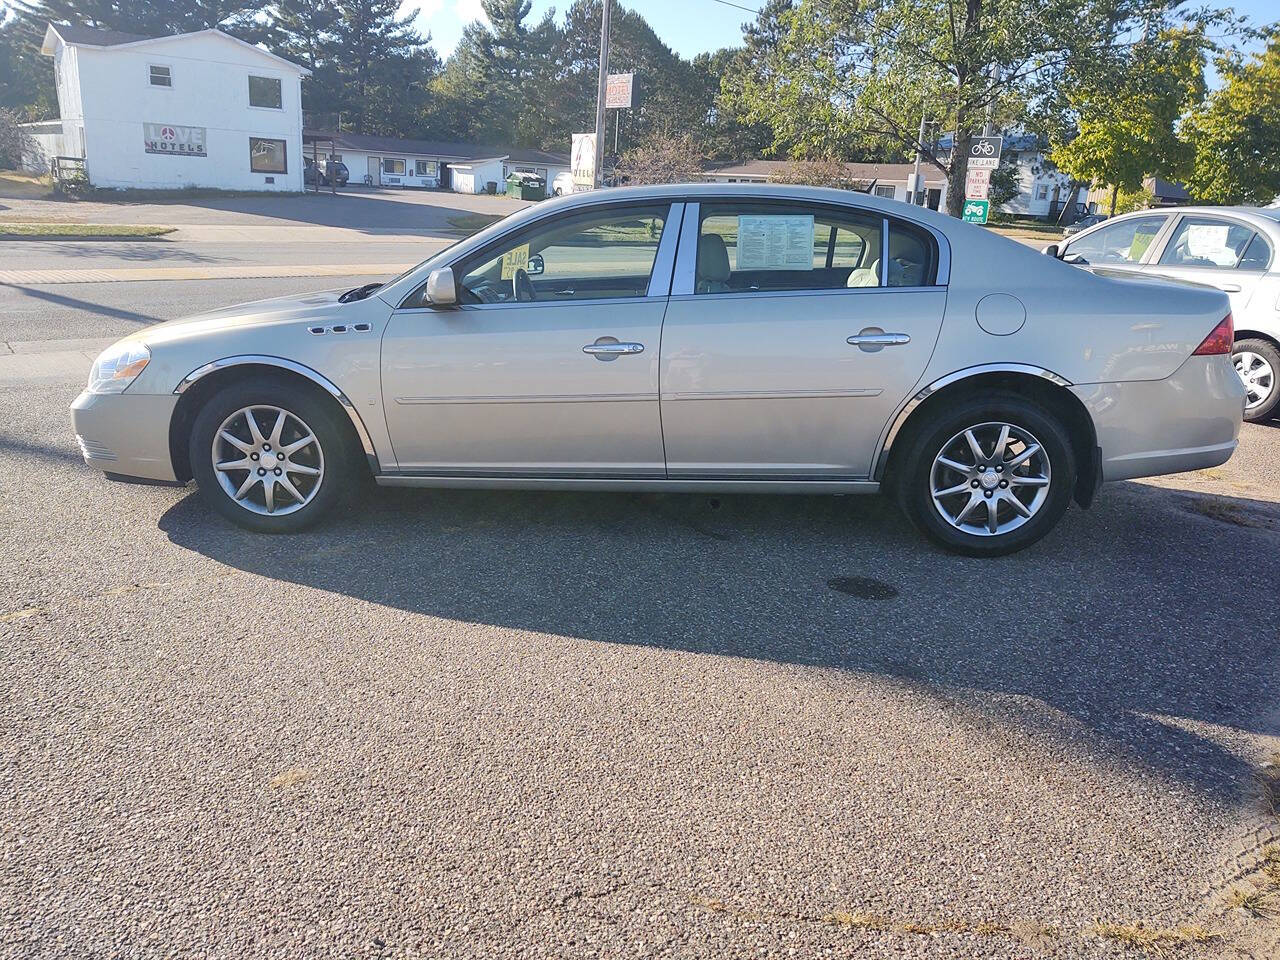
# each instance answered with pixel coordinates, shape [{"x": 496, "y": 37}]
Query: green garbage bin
[{"x": 526, "y": 187}]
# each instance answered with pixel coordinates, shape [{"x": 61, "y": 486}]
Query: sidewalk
[
  {"x": 282, "y": 234},
  {"x": 238, "y": 271}
]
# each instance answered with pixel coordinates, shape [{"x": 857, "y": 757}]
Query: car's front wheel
[
  {"x": 271, "y": 456},
  {"x": 988, "y": 477},
  {"x": 1258, "y": 363}
]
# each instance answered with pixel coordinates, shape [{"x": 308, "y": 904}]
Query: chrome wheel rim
[
  {"x": 990, "y": 479},
  {"x": 267, "y": 460},
  {"x": 1257, "y": 375}
]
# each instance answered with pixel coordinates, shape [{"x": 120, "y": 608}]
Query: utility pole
[
  {"x": 600, "y": 91},
  {"x": 917, "y": 192}
]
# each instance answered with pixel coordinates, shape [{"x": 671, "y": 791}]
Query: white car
[
  {"x": 562, "y": 185},
  {"x": 1230, "y": 248},
  {"x": 696, "y": 338}
]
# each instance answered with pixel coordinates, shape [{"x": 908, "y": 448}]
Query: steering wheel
[{"x": 522, "y": 286}]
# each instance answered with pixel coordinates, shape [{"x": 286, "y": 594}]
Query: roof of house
[
  {"x": 444, "y": 149},
  {"x": 896, "y": 172},
  {"x": 1166, "y": 189},
  {"x": 93, "y": 37},
  {"x": 80, "y": 36}
]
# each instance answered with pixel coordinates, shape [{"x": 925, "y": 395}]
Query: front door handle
[
  {"x": 1230, "y": 288},
  {"x": 607, "y": 348},
  {"x": 875, "y": 339}
]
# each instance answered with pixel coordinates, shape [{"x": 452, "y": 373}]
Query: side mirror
[
  {"x": 1052, "y": 250},
  {"x": 535, "y": 265},
  {"x": 442, "y": 289}
]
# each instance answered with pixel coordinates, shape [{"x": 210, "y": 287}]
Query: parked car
[
  {"x": 562, "y": 185},
  {"x": 689, "y": 338},
  {"x": 1084, "y": 223},
  {"x": 332, "y": 171},
  {"x": 1230, "y": 248}
]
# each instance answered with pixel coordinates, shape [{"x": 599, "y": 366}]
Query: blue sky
[{"x": 687, "y": 26}]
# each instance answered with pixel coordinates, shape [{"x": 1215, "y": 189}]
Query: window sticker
[
  {"x": 775, "y": 242},
  {"x": 1141, "y": 241},
  {"x": 1209, "y": 241},
  {"x": 513, "y": 260}
]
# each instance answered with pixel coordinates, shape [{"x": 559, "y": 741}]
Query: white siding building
[
  {"x": 460, "y": 167},
  {"x": 197, "y": 109}
]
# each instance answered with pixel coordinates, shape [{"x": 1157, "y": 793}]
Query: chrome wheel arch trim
[
  {"x": 366, "y": 442},
  {"x": 904, "y": 414}
]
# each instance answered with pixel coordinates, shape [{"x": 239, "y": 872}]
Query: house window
[
  {"x": 265, "y": 92},
  {"x": 886, "y": 193},
  {"x": 160, "y": 76},
  {"x": 267, "y": 156},
  {"x": 393, "y": 166},
  {"x": 425, "y": 168},
  {"x": 1042, "y": 192}
]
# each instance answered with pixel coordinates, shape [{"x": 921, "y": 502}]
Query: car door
[
  {"x": 793, "y": 333},
  {"x": 1217, "y": 251},
  {"x": 548, "y": 365},
  {"x": 1117, "y": 247}
]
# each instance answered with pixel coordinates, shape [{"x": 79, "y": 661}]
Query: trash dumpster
[{"x": 526, "y": 186}]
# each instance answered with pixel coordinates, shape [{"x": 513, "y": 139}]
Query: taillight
[{"x": 1220, "y": 339}]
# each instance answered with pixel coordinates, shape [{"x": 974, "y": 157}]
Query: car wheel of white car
[
  {"x": 270, "y": 456},
  {"x": 1258, "y": 363},
  {"x": 989, "y": 477}
]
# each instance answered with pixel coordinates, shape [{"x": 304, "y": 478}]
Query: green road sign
[{"x": 975, "y": 211}]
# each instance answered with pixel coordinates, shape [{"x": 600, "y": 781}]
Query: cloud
[{"x": 468, "y": 10}]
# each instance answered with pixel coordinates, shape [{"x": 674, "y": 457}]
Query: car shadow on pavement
[
  {"x": 1139, "y": 628},
  {"x": 76, "y": 303}
]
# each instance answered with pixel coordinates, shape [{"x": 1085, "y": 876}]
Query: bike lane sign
[{"x": 985, "y": 152}]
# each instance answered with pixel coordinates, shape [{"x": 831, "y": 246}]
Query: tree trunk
[
  {"x": 1115, "y": 192},
  {"x": 956, "y": 175}
]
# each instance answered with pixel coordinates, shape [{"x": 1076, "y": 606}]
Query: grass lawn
[
  {"x": 21, "y": 185},
  {"x": 469, "y": 223},
  {"x": 23, "y": 230}
]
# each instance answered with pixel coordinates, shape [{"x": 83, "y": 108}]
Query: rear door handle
[{"x": 879, "y": 339}]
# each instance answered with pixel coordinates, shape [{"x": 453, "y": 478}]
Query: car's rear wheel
[
  {"x": 1258, "y": 364},
  {"x": 271, "y": 456},
  {"x": 988, "y": 477}
]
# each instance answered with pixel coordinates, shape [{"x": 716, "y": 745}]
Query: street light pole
[{"x": 600, "y": 91}]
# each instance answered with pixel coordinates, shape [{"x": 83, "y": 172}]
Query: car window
[
  {"x": 593, "y": 256},
  {"x": 1257, "y": 255},
  {"x": 1122, "y": 242},
  {"x": 1210, "y": 242},
  {"x": 769, "y": 247}
]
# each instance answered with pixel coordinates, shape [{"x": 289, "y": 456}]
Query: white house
[
  {"x": 196, "y": 109},
  {"x": 888, "y": 180},
  {"x": 396, "y": 162}
]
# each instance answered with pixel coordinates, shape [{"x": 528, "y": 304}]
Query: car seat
[{"x": 713, "y": 264}]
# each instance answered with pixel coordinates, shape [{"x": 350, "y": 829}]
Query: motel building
[{"x": 197, "y": 109}]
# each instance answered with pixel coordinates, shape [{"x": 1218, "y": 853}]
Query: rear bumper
[
  {"x": 1188, "y": 421},
  {"x": 125, "y": 435}
]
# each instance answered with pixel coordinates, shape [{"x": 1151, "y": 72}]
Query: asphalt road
[{"x": 470, "y": 724}]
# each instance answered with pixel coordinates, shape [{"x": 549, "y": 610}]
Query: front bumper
[
  {"x": 125, "y": 435},
  {"x": 1187, "y": 421}
]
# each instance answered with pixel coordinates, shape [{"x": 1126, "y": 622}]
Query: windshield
[{"x": 444, "y": 250}]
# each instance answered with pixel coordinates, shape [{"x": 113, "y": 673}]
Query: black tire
[
  {"x": 936, "y": 436},
  {"x": 336, "y": 457},
  {"x": 1268, "y": 351}
]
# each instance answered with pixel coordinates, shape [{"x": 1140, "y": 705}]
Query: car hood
[{"x": 256, "y": 314}]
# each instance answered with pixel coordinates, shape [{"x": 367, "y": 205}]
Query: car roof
[{"x": 1269, "y": 213}]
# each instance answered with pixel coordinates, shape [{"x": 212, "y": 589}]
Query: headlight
[{"x": 118, "y": 366}]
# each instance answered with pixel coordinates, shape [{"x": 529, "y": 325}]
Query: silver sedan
[{"x": 689, "y": 338}]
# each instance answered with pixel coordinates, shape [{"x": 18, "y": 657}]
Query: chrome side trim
[
  {"x": 352, "y": 414},
  {"x": 654, "y": 484},
  {"x": 877, "y": 469},
  {"x": 532, "y": 398}
]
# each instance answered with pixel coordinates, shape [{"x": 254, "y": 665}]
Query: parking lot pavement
[{"x": 471, "y": 724}]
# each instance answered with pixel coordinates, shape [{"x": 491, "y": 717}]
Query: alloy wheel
[
  {"x": 990, "y": 479},
  {"x": 267, "y": 460},
  {"x": 1257, "y": 375}
]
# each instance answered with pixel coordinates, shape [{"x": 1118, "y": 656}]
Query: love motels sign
[{"x": 175, "y": 139}]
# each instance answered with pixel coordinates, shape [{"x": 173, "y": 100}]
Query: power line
[{"x": 737, "y": 6}]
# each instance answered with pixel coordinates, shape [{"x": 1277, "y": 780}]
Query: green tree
[
  {"x": 306, "y": 32},
  {"x": 386, "y": 67},
  {"x": 752, "y": 67},
  {"x": 853, "y": 74},
  {"x": 1235, "y": 138},
  {"x": 1128, "y": 116}
]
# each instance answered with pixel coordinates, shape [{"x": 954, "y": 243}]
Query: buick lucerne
[{"x": 689, "y": 338}]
